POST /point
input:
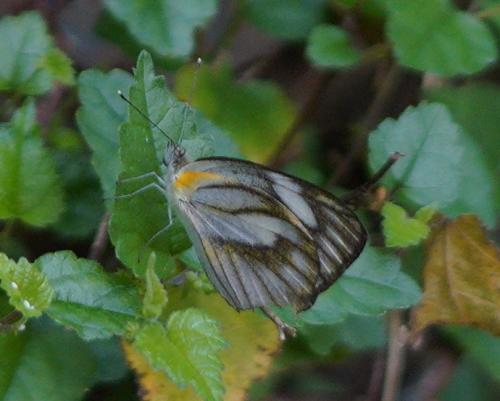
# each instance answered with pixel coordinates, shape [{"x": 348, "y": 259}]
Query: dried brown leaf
[{"x": 461, "y": 278}]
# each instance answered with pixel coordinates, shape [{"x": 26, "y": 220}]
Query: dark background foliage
[{"x": 325, "y": 90}]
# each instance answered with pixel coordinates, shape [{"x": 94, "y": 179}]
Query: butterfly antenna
[
  {"x": 120, "y": 93},
  {"x": 187, "y": 105}
]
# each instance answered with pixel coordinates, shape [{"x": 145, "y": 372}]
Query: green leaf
[
  {"x": 469, "y": 382},
  {"x": 475, "y": 174},
  {"x": 433, "y": 36},
  {"x": 305, "y": 170},
  {"x": 328, "y": 46},
  {"x": 25, "y": 43},
  {"x": 216, "y": 141},
  {"x": 292, "y": 19},
  {"x": 100, "y": 114},
  {"x": 190, "y": 259},
  {"x": 44, "y": 363},
  {"x": 28, "y": 289},
  {"x": 58, "y": 66},
  {"x": 5, "y": 307},
  {"x": 475, "y": 107},
  {"x": 186, "y": 350},
  {"x": 426, "y": 213},
  {"x": 401, "y": 230},
  {"x": 111, "y": 364},
  {"x": 135, "y": 220},
  {"x": 81, "y": 186},
  {"x": 358, "y": 333},
  {"x": 373, "y": 9},
  {"x": 489, "y": 11},
  {"x": 437, "y": 161},
  {"x": 481, "y": 346},
  {"x": 11, "y": 346},
  {"x": 29, "y": 186},
  {"x": 346, "y": 3},
  {"x": 252, "y": 113},
  {"x": 371, "y": 286},
  {"x": 155, "y": 297},
  {"x": 94, "y": 303},
  {"x": 165, "y": 26}
]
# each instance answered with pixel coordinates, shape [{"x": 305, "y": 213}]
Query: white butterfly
[{"x": 264, "y": 237}]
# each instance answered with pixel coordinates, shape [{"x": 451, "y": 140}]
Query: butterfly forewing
[
  {"x": 258, "y": 252},
  {"x": 265, "y": 237}
]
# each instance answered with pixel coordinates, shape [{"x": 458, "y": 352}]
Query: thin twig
[
  {"x": 354, "y": 196},
  {"x": 376, "y": 378},
  {"x": 7, "y": 321},
  {"x": 48, "y": 106},
  {"x": 436, "y": 377},
  {"x": 398, "y": 338},
  {"x": 319, "y": 83},
  {"x": 373, "y": 116},
  {"x": 233, "y": 22},
  {"x": 100, "y": 242}
]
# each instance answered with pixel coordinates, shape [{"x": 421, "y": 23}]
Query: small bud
[
  {"x": 27, "y": 305},
  {"x": 14, "y": 285}
]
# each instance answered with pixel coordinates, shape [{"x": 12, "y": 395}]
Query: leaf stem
[
  {"x": 376, "y": 378},
  {"x": 100, "y": 242},
  {"x": 398, "y": 338},
  {"x": 376, "y": 52}
]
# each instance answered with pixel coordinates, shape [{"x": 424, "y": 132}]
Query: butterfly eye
[{"x": 179, "y": 152}]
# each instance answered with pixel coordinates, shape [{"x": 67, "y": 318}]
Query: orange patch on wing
[{"x": 190, "y": 180}]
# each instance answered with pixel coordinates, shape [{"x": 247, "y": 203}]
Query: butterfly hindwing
[
  {"x": 338, "y": 234},
  {"x": 265, "y": 237}
]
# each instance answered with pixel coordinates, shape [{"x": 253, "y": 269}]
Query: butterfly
[{"x": 263, "y": 237}]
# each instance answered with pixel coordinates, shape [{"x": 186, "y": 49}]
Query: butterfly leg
[
  {"x": 164, "y": 229},
  {"x": 284, "y": 329},
  {"x": 152, "y": 185},
  {"x": 158, "y": 233},
  {"x": 152, "y": 174}
]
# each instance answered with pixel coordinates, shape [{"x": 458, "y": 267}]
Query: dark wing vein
[{"x": 269, "y": 238}]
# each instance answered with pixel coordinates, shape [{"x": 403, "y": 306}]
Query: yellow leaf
[
  {"x": 252, "y": 340},
  {"x": 461, "y": 278},
  {"x": 155, "y": 386}
]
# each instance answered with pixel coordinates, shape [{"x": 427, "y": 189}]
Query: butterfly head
[{"x": 174, "y": 157}]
